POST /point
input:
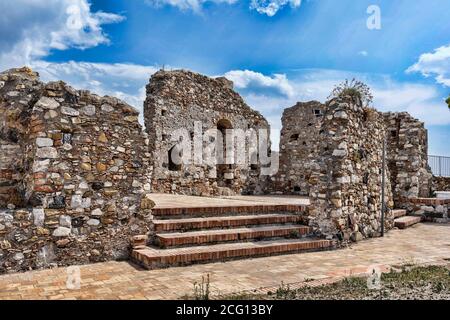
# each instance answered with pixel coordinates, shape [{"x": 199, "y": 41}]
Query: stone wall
[
  {"x": 300, "y": 151},
  {"x": 441, "y": 183},
  {"x": 18, "y": 91},
  {"x": 430, "y": 209},
  {"x": 195, "y": 103},
  {"x": 86, "y": 173},
  {"x": 10, "y": 174},
  {"x": 346, "y": 177},
  {"x": 407, "y": 154},
  {"x": 299, "y": 147}
]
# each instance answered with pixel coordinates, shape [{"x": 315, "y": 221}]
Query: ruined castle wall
[
  {"x": 299, "y": 147},
  {"x": 87, "y": 173},
  {"x": 10, "y": 173},
  {"x": 346, "y": 180},
  {"x": 18, "y": 91},
  {"x": 180, "y": 100},
  {"x": 407, "y": 154}
]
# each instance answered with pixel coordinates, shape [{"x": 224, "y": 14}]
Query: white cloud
[
  {"x": 32, "y": 28},
  {"x": 421, "y": 101},
  {"x": 127, "y": 82},
  {"x": 124, "y": 81},
  {"x": 271, "y": 7},
  {"x": 267, "y": 7},
  {"x": 257, "y": 82},
  {"x": 435, "y": 64},
  {"x": 363, "y": 53},
  {"x": 194, "y": 5}
]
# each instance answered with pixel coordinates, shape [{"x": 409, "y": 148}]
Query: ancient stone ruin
[
  {"x": 346, "y": 179},
  {"x": 186, "y": 100},
  {"x": 77, "y": 171},
  {"x": 407, "y": 155},
  {"x": 79, "y": 166},
  {"x": 311, "y": 158},
  {"x": 299, "y": 146}
]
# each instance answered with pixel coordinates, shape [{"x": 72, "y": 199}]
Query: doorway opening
[{"x": 225, "y": 170}]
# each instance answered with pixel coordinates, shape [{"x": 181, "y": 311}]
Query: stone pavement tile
[{"x": 426, "y": 243}]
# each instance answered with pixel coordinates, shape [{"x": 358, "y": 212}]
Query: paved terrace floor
[
  {"x": 180, "y": 201},
  {"x": 423, "y": 243}
]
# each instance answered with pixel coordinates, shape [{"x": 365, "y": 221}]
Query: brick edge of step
[
  {"x": 167, "y": 240},
  {"x": 143, "y": 255},
  {"x": 227, "y": 210},
  {"x": 407, "y": 221},
  {"x": 192, "y": 224}
]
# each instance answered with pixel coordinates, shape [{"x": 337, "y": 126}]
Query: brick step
[
  {"x": 399, "y": 213},
  {"x": 156, "y": 258},
  {"x": 407, "y": 221},
  {"x": 168, "y": 213},
  {"x": 223, "y": 222},
  {"x": 240, "y": 234}
]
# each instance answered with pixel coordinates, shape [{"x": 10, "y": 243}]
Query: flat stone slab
[
  {"x": 399, "y": 213},
  {"x": 407, "y": 221},
  {"x": 182, "y": 201},
  {"x": 178, "y": 205}
]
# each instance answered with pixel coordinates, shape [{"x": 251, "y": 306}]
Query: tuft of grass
[
  {"x": 355, "y": 90},
  {"x": 202, "y": 289},
  {"x": 284, "y": 292},
  {"x": 403, "y": 283}
]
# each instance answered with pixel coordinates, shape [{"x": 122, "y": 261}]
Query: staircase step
[
  {"x": 407, "y": 221},
  {"x": 223, "y": 222},
  {"x": 154, "y": 258},
  {"x": 399, "y": 213},
  {"x": 227, "y": 235},
  {"x": 227, "y": 210}
]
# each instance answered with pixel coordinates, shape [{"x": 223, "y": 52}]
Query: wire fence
[{"x": 440, "y": 166}]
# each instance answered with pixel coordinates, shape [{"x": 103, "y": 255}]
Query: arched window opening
[{"x": 174, "y": 164}]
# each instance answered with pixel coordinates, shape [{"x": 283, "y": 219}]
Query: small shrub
[
  {"x": 201, "y": 290},
  {"x": 354, "y": 89},
  {"x": 284, "y": 292}
]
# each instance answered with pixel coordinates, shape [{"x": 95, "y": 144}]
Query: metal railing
[{"x": 440, "y": 166}]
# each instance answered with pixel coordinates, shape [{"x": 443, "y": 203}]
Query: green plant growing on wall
[{"x": 355, "y": 89}]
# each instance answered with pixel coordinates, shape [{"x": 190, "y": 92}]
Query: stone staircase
[
  {"x": 206, "y": 234},
  {"x": 402, "y": 221}
]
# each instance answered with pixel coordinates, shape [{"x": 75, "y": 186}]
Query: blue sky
[{"x": 277, "y": 52}]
